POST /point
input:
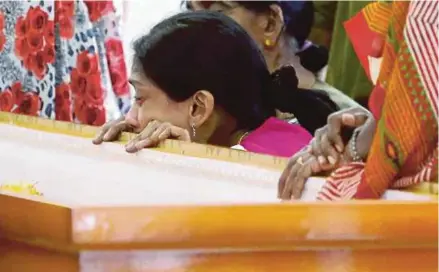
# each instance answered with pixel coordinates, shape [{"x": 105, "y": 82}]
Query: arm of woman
[
  {"x": 328, "y": 150},
  {"x": 341, "y": 99}
]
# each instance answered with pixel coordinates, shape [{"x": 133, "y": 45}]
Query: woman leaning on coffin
[{"x": 200, "y": 77}]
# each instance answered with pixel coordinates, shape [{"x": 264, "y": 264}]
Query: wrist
[{"x": 355, "y": 155}]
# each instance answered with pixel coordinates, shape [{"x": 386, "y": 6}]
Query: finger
[
  {"x": 142, "y": 138},
  {"x": 289, "y": 180},
  {"x": 315, "y": 143},
  {"x": 114, "y": 131},
  {"x": 291, "y": 162},
  {"x": 152, "y": 140},
  {"x": 337, "y": 121},
  {"x": 180, "y": 134},
  {"x": 317, "y": 149},
  {"x": 160, "y": 134},
  {"x": 302, "y": 175},
  {"x": 99, "y": 138},
  {"x": 334, "y": 130},
  {"x": 329, "y": 152},
  {"x": 289, "y": 185},
  {"x": 130, "y": 147},
  {"x": 316, "y": 167},
  {"x": 354, "y": 119},
  {"x": 284, "y": 177}
]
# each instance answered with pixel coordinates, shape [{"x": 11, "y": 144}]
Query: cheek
[{"x": 248, "y": 23}]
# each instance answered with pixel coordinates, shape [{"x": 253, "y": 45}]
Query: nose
[{"x": 132, "y": 116}]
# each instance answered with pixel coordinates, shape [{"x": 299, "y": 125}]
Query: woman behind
[
  {"x": 400, "y": 140},
  {"x": 200, "y": 77},
  {"x": 62, "y": 60},
  {"x": 281, "y": 29}
]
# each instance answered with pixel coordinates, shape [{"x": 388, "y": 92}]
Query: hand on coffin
[
  {"x": 327, "y": 150},
  {"x": 300, "y": 167},
  {"x": 156, "y": 132},
  {"x": 329, "y": 142},
  {"x": 111, "y": 131}
]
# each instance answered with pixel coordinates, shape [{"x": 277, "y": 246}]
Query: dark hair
[
  {"x": 209, "y": 51},
  {"x": 298, "y": 20}
]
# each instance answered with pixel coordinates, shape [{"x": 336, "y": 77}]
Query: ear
[
  {"x": 201, "y": 108},
  {"x": 274, "y": 25}
]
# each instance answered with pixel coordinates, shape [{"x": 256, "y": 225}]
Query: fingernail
[
  {"x": 339, "y": 148},
  {"x": 331, "y": 160},
  {"x": 321, "y": 159},
  {"x": 129, "y": 146}
]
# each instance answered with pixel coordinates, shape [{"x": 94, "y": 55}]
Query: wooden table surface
[{"x": 104, "y": 210}]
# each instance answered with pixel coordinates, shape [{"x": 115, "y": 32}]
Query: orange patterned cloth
[{"x": 404, "y": 151}]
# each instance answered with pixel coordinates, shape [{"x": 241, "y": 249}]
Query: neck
[
  {"x": 237, "y": 137},
  {"x": 227, "y": 138},
  {"x": 286, "y": 55},
  {"x": 221, "y": 130}
]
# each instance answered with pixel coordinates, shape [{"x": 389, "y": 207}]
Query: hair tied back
[
  {"x": 285, "y": 77},
  {"x": 284, "y": 88},
  {"x": 310, "y": 107}
]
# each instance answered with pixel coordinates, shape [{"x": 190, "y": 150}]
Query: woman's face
[
  {"x": 250, "y": 21},
  {"x": 151, "y": 103},
  {"x": 260, "y": 26}
]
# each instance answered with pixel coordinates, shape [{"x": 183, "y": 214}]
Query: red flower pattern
[
  {"x": 37, "y": 19},
  {"x": 87, "y": 89},
  {"x": 118, "y": 69},
  {"x": 79, "y": 98},
  {"x": 34, "y": 41},
  {"x": 98, "y": 9},
  {"x": 2, "y": 34},
  {"x": 6, "y": 100},
  {"x": 64, "y": 16},
  {"x": 15, "y": 100},
  {"x": 63, "y": 103}
]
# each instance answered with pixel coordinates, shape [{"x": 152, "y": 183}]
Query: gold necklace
[{"x": 242, "y": 137}]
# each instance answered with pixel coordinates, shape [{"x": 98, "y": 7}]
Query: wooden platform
[{"x": 105, "y": 210}]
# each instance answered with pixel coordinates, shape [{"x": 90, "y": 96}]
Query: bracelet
[{"x": 354, "y": 151}]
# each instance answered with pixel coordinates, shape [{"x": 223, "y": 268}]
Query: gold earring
[
  {"x": 268, "y": 43},
  {"x": 194, "y": 130}
]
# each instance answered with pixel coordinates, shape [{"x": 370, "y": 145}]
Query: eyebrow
[{"x": 134, "y": 82}]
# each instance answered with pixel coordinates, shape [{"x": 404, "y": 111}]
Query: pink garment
[{"x": 278, "y": 138}]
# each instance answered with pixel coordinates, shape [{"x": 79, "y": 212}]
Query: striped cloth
[{"x": 404, "y": 152}]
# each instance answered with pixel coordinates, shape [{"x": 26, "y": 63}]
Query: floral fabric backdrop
[{"x": 62, "y": 60}]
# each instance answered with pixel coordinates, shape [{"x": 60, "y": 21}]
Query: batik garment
[
  {"x": 404, "y": 149},
  {"x": 62, "y": 60}
]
